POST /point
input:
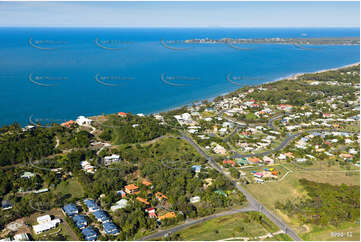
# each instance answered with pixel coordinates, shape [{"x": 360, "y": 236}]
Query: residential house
[
  {"x": 151, "y": 212},
  {"x": 196, "y": 168},
  {"x": 122, "y": 203},
  {"x": 27, "y": 174},
  {"x": 91, "y": 205},
  {"x": 195, "y": 199},
  {"x": 142, "y": 200},
  {"x": 131, "y": 189},
  {"x": 5, "y": 205},
  {"x": 45, "y": 223},
  {"x": 108, "y": 160},
  {"x": 81, "y": 120},
  {"x": 70, "y": 209},
  {"x": 101, "y": 216},
  {"x": 230, "y": 162},
  {"x": 80, "y": 221},
  {"x": 168, "y": 215},
  {"x": 89, "y": 234},
  {"x": 110, "y": 228},
  {"x": 68, "y": 124},
  {"x": 21, "y": 237},
  {"x": 160, "y": 196}
]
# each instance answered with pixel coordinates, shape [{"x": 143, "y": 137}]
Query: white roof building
[
  {"x": 195, "y": 199},
  {"x": 27, "y": 174},
  {"x": 45, "y": 224},
  {"x": 81, "y": 120},
  {"x": 122, "y": 203},
  {"x": 43, "y": 219},
  {"x": 21, "y": 237}
]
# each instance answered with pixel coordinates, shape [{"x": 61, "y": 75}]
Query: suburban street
[{"x": 253, "y": 203}]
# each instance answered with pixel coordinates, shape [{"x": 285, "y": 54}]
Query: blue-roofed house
[
  {"x": 5, "y": 205},
  {"x": 80, "y": 221},
  {"x": 196, "y": 168},
  {"x": 110, "y": 228},
  {"x": 91, "y": 205},
  {"x": 70, "y": 209},
  {"x": 89, "y": 234},
  {"x": 101, "y": 216}
]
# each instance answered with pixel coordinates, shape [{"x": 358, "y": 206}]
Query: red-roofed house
[
  {"x": 122, "y": 114},
  {"x": 231, "y": 162}
]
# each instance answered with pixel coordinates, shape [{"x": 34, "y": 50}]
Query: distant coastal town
[{"x": 297, "y": 41}]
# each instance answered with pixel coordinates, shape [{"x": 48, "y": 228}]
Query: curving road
[
  {"x": 253, "y": 203},
  {"x": 286, "y": 141}
]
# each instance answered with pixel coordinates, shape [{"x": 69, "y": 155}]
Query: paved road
[
  {"x": 193, "y": 222},
  {"x": 253, "y": 203},
  {"x": 286, "y": 141},
  {"x": 271, "y": 120}
]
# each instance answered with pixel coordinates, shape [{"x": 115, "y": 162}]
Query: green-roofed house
[{"x": 220, "y": 192}]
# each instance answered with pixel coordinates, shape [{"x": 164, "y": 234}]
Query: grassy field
[
  {"x": 289, "y": 188},
  {"x": 71, "y": 186},
  {"x": 228, "y": 227},
  {"x": 347, "y": 232}
]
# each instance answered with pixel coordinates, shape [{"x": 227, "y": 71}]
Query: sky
[{"x": 180, "y": 14}]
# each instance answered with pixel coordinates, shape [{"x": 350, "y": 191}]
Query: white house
[
  {"x": 195, "y": 199},
  {"x": 81, "y": 120},
  {"x": 122, "y": 203},
  {"x": 21, "y": 237},
  {"x": 45, "y": 223},
  {"x": 27, "y": 174},
  {"x": 108, "y": 160}
]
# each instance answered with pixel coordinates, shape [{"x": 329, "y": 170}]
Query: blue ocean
[{"x": 57, "y": 74}]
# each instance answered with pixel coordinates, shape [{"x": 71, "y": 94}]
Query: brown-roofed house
[
  {"x": 131, "y": 189},
  {"x": 68, "y": 124},
  {"x": 253, "y": 159},
  {"x": 142, "y": 200},
  {"x": 160, "y": 196},
  {"x": 146, "y": 183},
  {"x": 289, "y": 155},
  {"x": 168, "y": 216}
]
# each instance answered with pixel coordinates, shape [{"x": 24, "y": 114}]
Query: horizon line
[{"x": 80, "y": 26}]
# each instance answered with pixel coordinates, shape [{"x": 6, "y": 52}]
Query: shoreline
[{"x": 290, "y": 77}]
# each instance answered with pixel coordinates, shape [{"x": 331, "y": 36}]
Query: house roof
[
  {"x": 168, "y": 216},
  {"x": 70, "y": 209},
  {"x": 79, "y": 218},
  {"x": 160, "y": 195},
  {"x": 68, "y": 123},
  {"x": 142, "y": 200},
  {"x": 131, "y": 187},
  {"x": 100, "y": 214},
  {"x": 122, "y": 114},
  {"x": 89, "y": 233},
  {"x": 110, "y": 228},
  {"x": 146, "y": 183}
]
